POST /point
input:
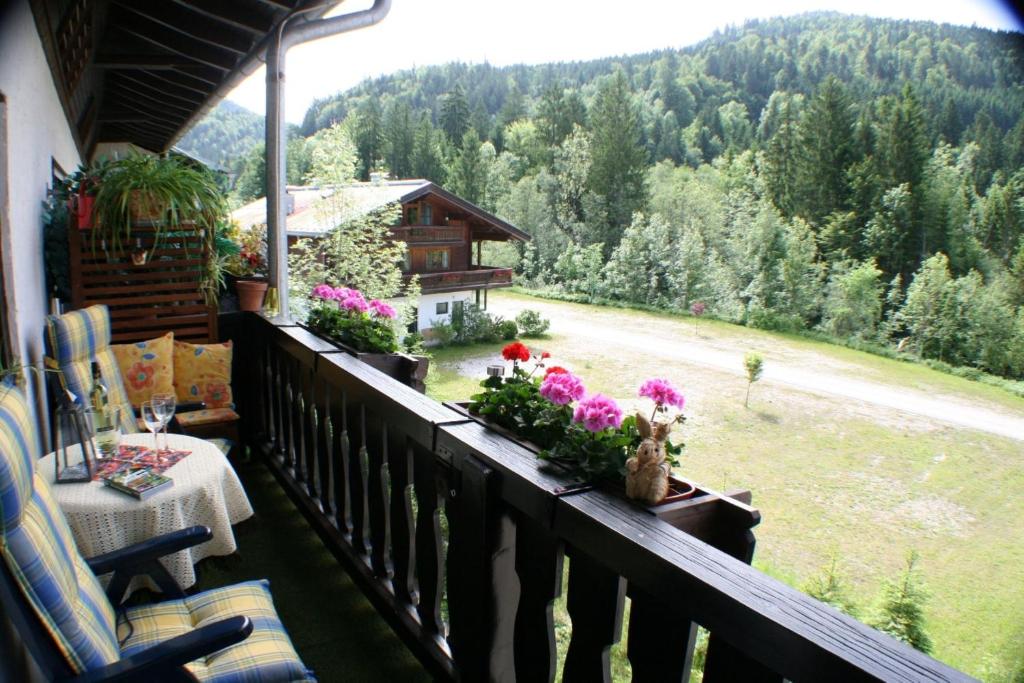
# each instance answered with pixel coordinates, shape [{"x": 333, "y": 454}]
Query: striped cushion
[
  {"x": 76, "y": 339},
  {"x": 38, "y": 548},
  {"x": 18, "y": 442},
  {"x": 266, "y": 655},
  {"x": 207, "y": 416}
]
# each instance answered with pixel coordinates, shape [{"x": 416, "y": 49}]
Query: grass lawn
[{"x": 832, "y": 476}]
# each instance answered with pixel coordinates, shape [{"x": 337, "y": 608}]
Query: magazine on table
[{"x": 138, "y": 483}]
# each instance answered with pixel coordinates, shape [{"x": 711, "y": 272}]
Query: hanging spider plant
[{"x": 167, "y": 192}]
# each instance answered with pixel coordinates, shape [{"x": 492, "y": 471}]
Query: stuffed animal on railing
[{"x": 647, "y": 471}]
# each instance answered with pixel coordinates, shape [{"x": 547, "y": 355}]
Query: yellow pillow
[
  {"x": 146, "y": 367},
  {"x": 202, "y": 372}
]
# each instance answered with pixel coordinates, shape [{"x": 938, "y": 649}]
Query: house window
[
  {"x": 428, "y": 214},
  {"x": 437, "y": 259},
  {"x": 412, "y": 215},
  {"x": 441, "y": 308}
]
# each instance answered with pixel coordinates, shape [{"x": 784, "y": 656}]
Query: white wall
[
  {"x": 427, "y": 316},
  {"x": 37, "y": 132}
]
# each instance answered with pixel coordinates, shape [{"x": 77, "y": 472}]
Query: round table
[{"x": 206, "y": 491}]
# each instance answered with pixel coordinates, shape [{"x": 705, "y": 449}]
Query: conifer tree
[
  {"x": 830, "y": 587},
  {"x": 618, "y": 160},
  {"x": 455, "y": 115},
  {"x": 825, "y": 151},
  {"x": 901, "y": 614}
]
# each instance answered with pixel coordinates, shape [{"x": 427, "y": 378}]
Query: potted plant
[
  {"x": 248, "y": 265},
  {"x": 365, "y": 329},
  {"x": 167, "y": 193}
]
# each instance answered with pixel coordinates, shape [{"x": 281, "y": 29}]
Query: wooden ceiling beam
[
  {"x": 166, "y": 89},
  {"x": 191, "y": 24},
  {"x": 142, "y": 61},
  {"x": 154, "y": 126},
  {"x": 119, "y": 93},
  {"x": 279, "y": 4},
  {"x": 172, "y": 41},
  {"x": 188, "y": 81},
  {"x": 121, "y": 132},
  {"x": 243, "y": 18}
]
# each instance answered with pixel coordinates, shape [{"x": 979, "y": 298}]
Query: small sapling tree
[
  {"x": 697, "y": 310},
  {"x": 755, "y": 366},
  {"x": 901, "y": 614}
]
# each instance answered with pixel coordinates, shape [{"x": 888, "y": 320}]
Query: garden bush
[
  {"x": 531, "y": 324},
  {"x": 508, "y": 329}
]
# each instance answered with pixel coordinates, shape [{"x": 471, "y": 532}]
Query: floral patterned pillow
[
  {"x": 147, "y": 367},
  {"x": 202, "y": 372}
]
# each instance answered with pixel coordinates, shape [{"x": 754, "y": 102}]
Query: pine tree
[
  {"x": 780, "y": 155},
  {"x": 902, "y": 611},
  {"x": 455, "y": 115},
  {"x": 465, "y": 175},
  {"x": 399, "y": 139},
  {"x": 368, "y": 136},
  {"x": 830, "y": 588},
  {"x": 825, "y": 152},
  {"x": 427, "y": 158},
  {"x": 618, "y": 159}
]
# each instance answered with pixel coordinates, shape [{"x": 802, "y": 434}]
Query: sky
[{"x": 425, "y": 32}]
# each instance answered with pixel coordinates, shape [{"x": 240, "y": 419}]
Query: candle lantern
[{"x": 75, "y": 452}]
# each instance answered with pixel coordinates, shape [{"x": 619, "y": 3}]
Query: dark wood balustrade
[
  {"x": 374, "y": 465},
  {"x": 418, "y": 234},
  {"x": 479, "y": 277}
]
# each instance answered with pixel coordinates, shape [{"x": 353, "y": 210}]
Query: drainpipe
[{"x": 285, "y": 38}]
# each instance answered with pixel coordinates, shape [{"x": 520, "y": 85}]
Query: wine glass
[
  {"x": 153, "y": 421},
  {"x": 165, "y": 405}
]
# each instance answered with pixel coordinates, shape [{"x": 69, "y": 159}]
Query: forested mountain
[
  {"x": 225, "y": 136},
  {"x": 859, "y": 176}
]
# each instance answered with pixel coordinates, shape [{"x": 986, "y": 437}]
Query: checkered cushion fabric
[
  {"x": 76, "y": 339},
  {"x": 38, "y": 548},
  {"x": 266, "y": 655},
  {"x": 206, "y": 416}
]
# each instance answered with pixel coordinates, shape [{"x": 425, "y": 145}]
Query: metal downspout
[{"x": 276, "y": 143}]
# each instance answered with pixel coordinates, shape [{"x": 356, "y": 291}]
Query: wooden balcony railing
[
  {"x": 480, "y": 277},
  {"x": 374, "y": 467},
  {"x": 416, "y": 234}
]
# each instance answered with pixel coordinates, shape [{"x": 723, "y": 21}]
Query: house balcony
[
  {"x": 477, "y": 277},
  {"x": 429, "y": 235},
  {"x": 463, "y": 544}
]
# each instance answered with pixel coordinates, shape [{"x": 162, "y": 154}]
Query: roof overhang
[
  {"x": 143, "y": 71},
  {"x": 502, "y": 230}
]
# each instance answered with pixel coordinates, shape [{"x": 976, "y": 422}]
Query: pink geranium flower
[
  {"x": 339, "y": 294},
  {"x": 323, "y": 291},
  {"x": 355, "y": 302},
  {"x": 597, "y": 412},
  {"x": 382, "y": 309},
  {"x": 562, "y": 388},
  {"x": 662, "y": 393}
]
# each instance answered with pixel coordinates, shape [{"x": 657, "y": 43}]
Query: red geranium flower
[
  {"x": 545, "y": 354},
  {"x": 555, "y": 370},
  {"x": 516, "y": 351}
]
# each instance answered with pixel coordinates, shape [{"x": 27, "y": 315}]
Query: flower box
[{"x": 407, "y": 369}]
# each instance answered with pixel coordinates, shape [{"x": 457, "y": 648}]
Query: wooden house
[{"x": 444, "y": 234}]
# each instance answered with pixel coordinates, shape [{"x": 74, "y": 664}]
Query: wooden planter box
[
  {"x": 706, "y": 514},
  {"x": 407, "y": 369}
]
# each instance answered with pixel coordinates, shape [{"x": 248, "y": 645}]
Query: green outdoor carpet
[{"x": 336, "y": 631}]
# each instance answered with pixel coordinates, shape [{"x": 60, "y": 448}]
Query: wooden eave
[
  {"x": 484, "y": 225},
  {"x": 142, "y": 71}
]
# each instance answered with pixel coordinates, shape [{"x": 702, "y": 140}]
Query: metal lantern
[
  {"x": 495, "y": 370},
  {"x": 75, "y": 453}
]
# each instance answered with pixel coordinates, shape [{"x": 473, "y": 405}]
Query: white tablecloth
[{"x": 206, "y": 491}]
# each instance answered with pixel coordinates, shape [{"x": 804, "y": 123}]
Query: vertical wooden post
[
  {"x": 480, "y": 560},
  {"x": 595, "y": 603}
]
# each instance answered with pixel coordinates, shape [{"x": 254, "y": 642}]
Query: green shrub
[
  {"x": 531, "y": 324},
  {"x": 443, "y": 333},
  {"x": 473, "y": 325},
  {"x": 509, "y": 330},
  {"x": 413, "y": 343}
]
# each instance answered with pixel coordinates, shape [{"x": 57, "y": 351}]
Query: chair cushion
[
  {"x": 202, "y": 372},
  {"x": 266, "y": 655},
  {"x": 195, "y": 418},
  {"x": 147, "y": 367},
  {"x": 18, "y": 441},
  {"x": 76, "y": 339}
]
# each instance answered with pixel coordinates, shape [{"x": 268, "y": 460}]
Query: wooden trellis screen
[{"x": 148, "y": 296}]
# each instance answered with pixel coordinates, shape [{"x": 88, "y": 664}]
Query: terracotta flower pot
[
  {"x": 83, "y": 210},
  {"x": 250, "y": 294}
]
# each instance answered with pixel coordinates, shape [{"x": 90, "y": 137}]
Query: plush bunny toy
[{"x": 647, "y": 471}]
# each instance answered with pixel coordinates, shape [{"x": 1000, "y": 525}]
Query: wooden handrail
[{"x": 374, "y": 466}]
